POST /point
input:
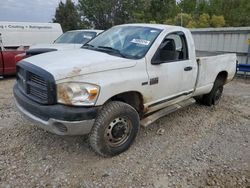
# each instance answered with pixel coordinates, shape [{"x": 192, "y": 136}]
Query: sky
[{"x": 28, "y": 10}]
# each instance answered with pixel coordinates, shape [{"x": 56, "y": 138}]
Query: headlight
[{"x": 78, "y": 94}]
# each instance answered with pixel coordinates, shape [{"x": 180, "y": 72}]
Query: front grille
[
  {"x": 37, "y": 80},
  {"x": 36, "y": 83},
  {"x": 42, "y": 95}
]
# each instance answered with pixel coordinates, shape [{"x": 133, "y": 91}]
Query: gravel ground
[{"x": 200, "y": 146}]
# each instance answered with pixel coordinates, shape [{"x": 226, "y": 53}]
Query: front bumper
[{"x": 57, "y": 119}]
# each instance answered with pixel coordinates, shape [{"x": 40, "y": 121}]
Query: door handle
[{"x": 188, "y": 68}]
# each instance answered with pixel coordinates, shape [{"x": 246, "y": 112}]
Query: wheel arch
[
  {"x": 222, "y": 76},
  {"x": 133, "y": 98}
]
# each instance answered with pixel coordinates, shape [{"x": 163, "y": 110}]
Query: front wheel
[{"x": 115, "y": 129}]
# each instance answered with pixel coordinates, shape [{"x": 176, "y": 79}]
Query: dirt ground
[{"x": 201, "y": 146}]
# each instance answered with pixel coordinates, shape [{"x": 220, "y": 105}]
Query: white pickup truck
[{"x": 129, "y": 75}]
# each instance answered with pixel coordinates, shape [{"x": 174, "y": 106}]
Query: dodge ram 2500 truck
[{"x": 129, "y": 75}]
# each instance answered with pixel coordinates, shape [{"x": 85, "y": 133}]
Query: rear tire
[
  {"x": 115, "y": 129},
  {"x": 213, "y": 98}
]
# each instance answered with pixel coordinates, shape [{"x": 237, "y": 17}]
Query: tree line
[{"x": 102, "y": 14}]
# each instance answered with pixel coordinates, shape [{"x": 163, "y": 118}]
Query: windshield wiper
[
  {"x": 110, "y": 49},
  {"x": 87, "y": 45}
]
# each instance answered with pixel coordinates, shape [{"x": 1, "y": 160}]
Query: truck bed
[{"x": 209, "y": 65}]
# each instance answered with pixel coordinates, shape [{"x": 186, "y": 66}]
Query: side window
[{"x": 172, "y": 48}]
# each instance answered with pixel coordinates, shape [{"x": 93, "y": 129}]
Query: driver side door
[{"x": 168, "y": 69}]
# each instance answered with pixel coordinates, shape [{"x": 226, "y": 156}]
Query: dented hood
[{"x": 70, "y": 63}]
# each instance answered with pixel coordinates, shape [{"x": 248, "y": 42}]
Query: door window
[{"x": 172, "y": 48}]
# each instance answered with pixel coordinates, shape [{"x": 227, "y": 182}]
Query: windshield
[
  {"x": 126, "y": 41},
  {"x": 76, "y": 37}
]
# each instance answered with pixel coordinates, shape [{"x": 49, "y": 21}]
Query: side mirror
[{"x": 155, "y": 62}]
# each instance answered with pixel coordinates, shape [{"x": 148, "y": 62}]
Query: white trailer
[{"x": 16, "y": 34}]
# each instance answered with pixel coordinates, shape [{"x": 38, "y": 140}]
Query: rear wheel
[
  {"x": 115, "y": 129},
  {"x": 215, "y": 94}
]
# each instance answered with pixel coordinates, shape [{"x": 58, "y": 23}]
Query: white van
[{"x": 16, "y": 34}]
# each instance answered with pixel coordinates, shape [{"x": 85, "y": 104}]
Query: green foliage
[
  {"x": 96, "y": 13},
  {"x": 103, "y": 14},
  {"x": 186, "y": 20},
  {"x": 235, "y": 12},
  {"x": 204, "y": 20},
  {"x": 217, "y": 21},
  {"x": 187, "y": 6},
  {"x": 192, "y": 24},
  {"x": 169, "y": 22},
  {"x": 182, "y": 19},
  {"x": 159, "y": 10},
  {"x": 67, "y": 15},
  {"x": 240, "y": 14}
]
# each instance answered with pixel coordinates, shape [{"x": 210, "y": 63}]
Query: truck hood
[
  {"x": 71, "y": 63},
  {"x": 57, "y": 46}
]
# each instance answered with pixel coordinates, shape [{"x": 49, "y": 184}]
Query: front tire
[{"x": 115, "y": 129}]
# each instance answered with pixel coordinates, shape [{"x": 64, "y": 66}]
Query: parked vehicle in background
[
  {"x": 8, "y": 59},
  {"x": 16, "y": 37},
  {"x": 129, "y": 75},
  {"x": 69, "y": 40}
]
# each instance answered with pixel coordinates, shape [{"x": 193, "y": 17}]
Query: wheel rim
[
  {"x": 218, "y": 95},
  {"x": 118, "y": 131}
]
